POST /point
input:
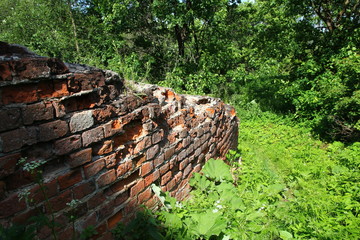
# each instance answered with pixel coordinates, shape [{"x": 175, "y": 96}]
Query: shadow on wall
[{"x": 97, "y": 146}]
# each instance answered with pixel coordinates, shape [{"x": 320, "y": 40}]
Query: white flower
[{"x": 215, "y": 210}]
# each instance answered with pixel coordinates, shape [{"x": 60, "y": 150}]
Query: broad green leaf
[
  {"x": 285, "y": 235},
  {"x": 217, "y": 170}
]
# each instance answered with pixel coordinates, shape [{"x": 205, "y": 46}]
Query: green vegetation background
[{"x": 291, "y": 68}]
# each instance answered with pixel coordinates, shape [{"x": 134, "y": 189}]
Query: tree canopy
[{"x": 290, "y": 56}]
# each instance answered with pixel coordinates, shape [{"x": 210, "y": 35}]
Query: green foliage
[{"x": 144, "y": 226}]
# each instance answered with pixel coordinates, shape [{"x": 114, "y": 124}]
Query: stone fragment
[{"x": 81, "y": 121}]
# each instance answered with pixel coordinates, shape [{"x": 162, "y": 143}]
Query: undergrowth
[{"x": 279, "y": 184}]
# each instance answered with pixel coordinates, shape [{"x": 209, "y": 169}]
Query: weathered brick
[
  {"x": 123, "y": 184},
  {"x": 142, "y": 144},
  {"x": 138, "y": 187},
  {"x": 169, "y": 153},
  {"x": 81, "y": 121},
  {"x": 66, "y": 145},
  {"x": 69, "y": 179},
  {"x": 152, "y": 177},
  {"x": 106, "y": 178},
  {"x": 187, "y": 170},
  {"x": 121, "y": 198},
  {"x": 105, "y": 210},
  {"x": 151, "y": 152},
  {"x": 170, "y": 185},
  {"x": 37, "y": 196},
  {"x": 59, "y": 202},
  {"x": 110, "y": 160},
  {"x": 159, "y": 160},
  {"x": 158, "y": 136},
  {"x": 83, "y": 190},
  {"x": 103, "y": 147},
  {"x": 11, "y": 205},
  {"x": 166, "y": 178},
  {"x": 37, "y": 112},
  {"x": 93, "y": 168},
  {"x": 52, "y": 130},
  {"x": 79, "y": 158},
  {"x": 103, "y": 114},
  {"x": 96, "y": 200},
  {"x": 144, "y": 196},
  {"x": 183, "y": 164},
  {"x": 17, "y": 138},
  {"x": 124, "y": 168},
  {"x": 146, "y": 168},
  {"x": 139, "y": 160},
  {"x": 14, "y": 94},
  {"x": 115, "y": 219},
  {"x": 113, "y": 127},
  {"x": 92, "y": 135},
  {"x": 52, "y": 89},
  {"x": 10, "y": 119},
  {"x": 181, "y": 155},
  {"x": 8, "y": 164}
]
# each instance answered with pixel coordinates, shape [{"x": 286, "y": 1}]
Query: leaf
[
  {"x": 217, "y": 169},
  {"x": 285, "y": 235},
  {"x": 208, "y": 223}
]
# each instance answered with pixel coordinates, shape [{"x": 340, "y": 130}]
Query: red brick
[
  {"x": 8, "y": 164},
  {"x": 123, "y": 168},
  {"x": 115, "y": 219},
  {"x": 89, "y": 220},
  {"x": 106, "y": 210},
  {"x": 137, "y": 188},
  {"x": 55, "y": 89},
  {"x": 96, "y": 200},
  {"x": 83, "y": 190},
  {"x": 66, "y": 145},
  {"x": 139, "y": 160},
  {"x": 23, "y": 218},
  {"x": 10, "y": 119},
  {"x": 146, "y": 168},
  {"x": 11, "y": 205},
  {"x": 121, "y": 198},
  {"x": 69, "y": 179},
  {"x": 110, "y": 160},
  {"x": 187, "y": 170},
  {"x": 169, "y": 153},
  {"x": 159, "y": 160},
  {"x": 37, "y": 112},
  {"x": 106, "y": 178},
  {"x": 152, "y": 178},
  {"x": 103, "y": 114},
  {"x": 59, "y": 202},
  {"x": 93, "y": 168},
  {"x": 79, "y": 158},
  {"x": 170, "y": 185},
  {"x": 142, "y": 144},
  {"x": 164, "y": 168},
  {"x": 151, "y": 152},
  {"x": 15, "y": 94},
  {"x": 183, "y": 164},
  {"x": 151, "y": 203},
  {"x": 124, "y": 183},
  {"x": 145, "y": 195},
  {"x": 93, "y": 135},
  {"x": 158, "y": 136},
  {"x": 113, "y": 127},
  {"x": 37, "y": 196},
  {"x": 5, "y": 72},
  {"x": 17, "y": 138},
  {"x": 166, "y": 178},
  {"x": 18, "y": 179},
  {"x": 103, "y": 148}
]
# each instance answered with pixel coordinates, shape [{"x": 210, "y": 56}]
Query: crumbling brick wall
[{"x": 103, "y": 145}]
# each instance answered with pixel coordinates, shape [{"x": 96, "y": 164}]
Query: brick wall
[{"x": 103, "y": 144}]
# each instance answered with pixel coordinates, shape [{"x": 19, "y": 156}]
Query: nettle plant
[{"x": 35, "y": 223}]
